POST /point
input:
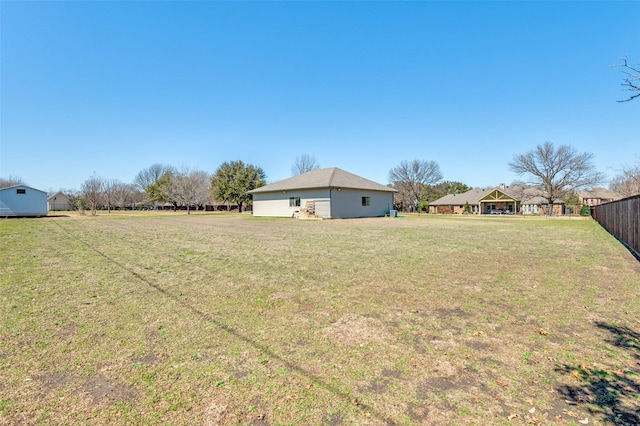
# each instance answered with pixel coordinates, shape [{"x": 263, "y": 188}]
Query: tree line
[
  {"x": 558, "y": 172},
  {"x": 160, "y": 185}
]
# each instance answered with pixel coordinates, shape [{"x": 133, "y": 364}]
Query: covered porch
[{"x": 498, "y": 202}]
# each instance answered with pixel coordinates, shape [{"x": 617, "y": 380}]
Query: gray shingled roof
[
  {"x": 526, "y": 195},
  {"x": 332, "y": 177},
  {"x": 472, "y": 196},
  {"x": 602, "y": 193}
]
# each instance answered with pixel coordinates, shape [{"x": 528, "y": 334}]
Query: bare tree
[
  {"x": 631, "y": 82},
  {"x": 118, "y": 193},
  {"x": 411, "y": 177},
  {"x": 10, "y": 181},
  {"x": 556, "y": 172},
  {"x": 304, "y": 163},
  {"x": 151, "y": 175},
  {"x": 627, "y": 183},
  {"x": 189, "y": 188},
  {"x": 152, "y": 179},
  {"x": 108, "y": 192},
  {"x": 93, "y": 192}
]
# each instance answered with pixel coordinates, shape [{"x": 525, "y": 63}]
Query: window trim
[
  {"x": 366, "y": 201},
  {"x": 294, "y": 202}
]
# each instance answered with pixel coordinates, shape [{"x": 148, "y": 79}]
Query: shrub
[{"x": 585, "y": 210}]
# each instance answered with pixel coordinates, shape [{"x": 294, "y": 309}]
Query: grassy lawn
[{"x": 215, "y": 319}]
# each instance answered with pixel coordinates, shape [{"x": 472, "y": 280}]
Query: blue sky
[{"x": 113, "y": 87}]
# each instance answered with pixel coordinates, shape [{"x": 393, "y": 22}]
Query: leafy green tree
[
  {"x": 572, "y": 199},
  {"x": 585, "y": 211},
  {"x": 80, "y": 204},
  {"x": 467, "y": 208},
  {"x": 433, "y": 192},
  {"x": 233, "y": 179},
  {"x": 423, "y": 206},
  {"x": 156, "y": 191},
  {"x": 152, "y": 180}
]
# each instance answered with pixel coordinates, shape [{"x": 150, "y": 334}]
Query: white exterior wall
[
  {"x": 59, "y": 201},
  {"x": 343, "y": 203},
  {"x": 276, "y": 204},
  {"x": 347, "y": 203},
  {"x": 32, "y": 203}
]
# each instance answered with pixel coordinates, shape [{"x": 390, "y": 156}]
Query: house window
[
  {"x": 294, "y": 201},
  {"x": 21, "y": 191},
  {"x": 366, "y": 201}
]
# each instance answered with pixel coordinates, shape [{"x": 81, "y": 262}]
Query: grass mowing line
[{"x": 316, "y": 380}]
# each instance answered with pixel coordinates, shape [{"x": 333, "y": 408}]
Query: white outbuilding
[
  {"x": 59, "y": 202},
  {"x": 22, "y": 201},
  {"x": 330, "y": 193}
]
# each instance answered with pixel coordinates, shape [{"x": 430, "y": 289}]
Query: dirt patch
[
  {"x": 417, "y": 412},
  {"x": 376, "y": 386},
  {"x": 392, "y": 373},
  {"x": 354, "y": 330},
  {"x": 334, "y": 420},
  {"x": 149, "y": 359},
  {"x": 444, "y": 369},
  {"x": 216, "y": 413},
  {"x": 98, "y": 388}
]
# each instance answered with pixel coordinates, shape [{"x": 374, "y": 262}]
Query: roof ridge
[{"x": 333, "y": 174}]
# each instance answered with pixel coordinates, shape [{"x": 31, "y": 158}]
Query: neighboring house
[
  {"x": 454, "y": 203},
  {"x": 59, "y": 202},
  {"x": 597, "y": 196},
  {"x": 22, "y": 200},
  {"x": 327, "y": 193},
  {"x": 502, "y": 199}
]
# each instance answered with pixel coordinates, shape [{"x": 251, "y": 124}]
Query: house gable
[{"x": 497, "y": 195}]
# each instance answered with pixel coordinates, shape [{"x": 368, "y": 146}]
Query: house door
[{"x": 323, "y": 208}]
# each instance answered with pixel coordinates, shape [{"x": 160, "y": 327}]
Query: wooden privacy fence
[{"x": 622, "y": 219}]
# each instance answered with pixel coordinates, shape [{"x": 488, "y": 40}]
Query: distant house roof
[
  {"x": 472, "y": 196},
  {"x": 332, "y": 177},
  {"x": 525, "y": 195},
  {"x": 600, "y": 193},
  {"x": 57, "y": 194}
]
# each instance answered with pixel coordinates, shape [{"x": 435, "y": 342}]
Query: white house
[
  {"x": 22, "y": 200},
  {"x": 59, "y": 201},
  {"x": 330, "y": 193}
]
